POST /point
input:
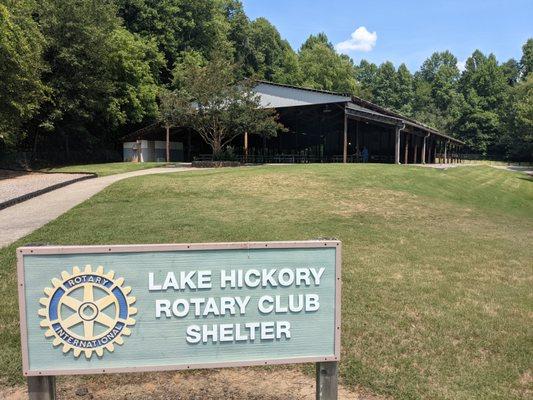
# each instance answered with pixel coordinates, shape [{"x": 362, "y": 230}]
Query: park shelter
[{"x": 321, "y": 126}]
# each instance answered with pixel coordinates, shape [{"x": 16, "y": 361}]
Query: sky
[{"x": 403, "y": 31}]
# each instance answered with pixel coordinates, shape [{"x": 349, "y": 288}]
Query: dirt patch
[{"x": 227, "y": 384}]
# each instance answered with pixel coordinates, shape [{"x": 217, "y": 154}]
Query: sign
[{"x": 106, "y": 309}]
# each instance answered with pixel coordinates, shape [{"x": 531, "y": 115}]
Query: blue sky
[{"x": 404, "y": 31}]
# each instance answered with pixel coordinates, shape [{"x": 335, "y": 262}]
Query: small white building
[{"x": 151, "y": 151}]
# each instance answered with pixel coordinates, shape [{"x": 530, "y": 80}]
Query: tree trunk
[{"x": 217, "y": 148}]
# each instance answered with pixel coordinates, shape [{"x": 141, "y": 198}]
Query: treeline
[{"x": 76, "y": 75}]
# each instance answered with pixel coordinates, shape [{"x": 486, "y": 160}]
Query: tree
[
  {"x": 517, "y": 138},
  {"x": 324, "y": 68},
  {"x": 484, "y": 88},
  {"x": 366, "y": 74},
  {"x": 526, "y": 62},
  {"x": 102, "y": 78},
  {"x": 78, "y": 43},
  {"x": 271, "y": 57},
  {"x": 21, "y": 66},
  {"x": 385, "y": 91},
  {"x": 437, "y": 100},
  {"x": 132, "y": 67},
  {"x": 511, "y": 70},
  {"x": 405, "y": 94},
  {"x": 217, "y": 106},
  {"x": 178, "y": 25}
]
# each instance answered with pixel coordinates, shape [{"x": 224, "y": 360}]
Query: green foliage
[
  {"x": 324, "y": 68},
  {"x": 385, "y": 90},
  {"x": 517, "y": 140},
  {"x": 102, "y": 77},
  {"x": 81, "y": 73},
  {"x": 177, "y": 25},
  {"x": 132, "y": 65},
  {"x": 21, "y": 66},
  {"x": 216, "y": 105},
  {"x": 526, "y": 63},
  {"x": 484, "y": 87}
]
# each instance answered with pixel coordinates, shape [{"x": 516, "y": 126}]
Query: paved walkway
[{"x": 23, "y": 218}]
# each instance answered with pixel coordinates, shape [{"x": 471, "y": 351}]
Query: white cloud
[
  {"x": 360, "y": 40},
  {"x": 461, "y": 65}
]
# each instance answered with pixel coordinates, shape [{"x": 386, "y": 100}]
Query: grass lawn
[
  {"x": 108, "y": 168},
  {"x": 437, "y": 264}
]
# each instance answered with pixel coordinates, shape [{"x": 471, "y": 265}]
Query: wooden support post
[
  {"x": 424, "y": 149},
  {"x": 345, "y": 147},
  {"x": 327, "y": 380},
  {"x": 397, "y": 144},
  {"x": 435, "y": 152},
  {"x": 245, "y": 146},
  {"x": 445, "y": 152},
  {"x": 41, "y": 388},
  {"x": 168, "y": 142},
  {"x": 406, "y": 150},
  {"x": 415, "y": 149}
]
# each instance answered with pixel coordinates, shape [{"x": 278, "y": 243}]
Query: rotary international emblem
[{"x": 87, "y": 311}]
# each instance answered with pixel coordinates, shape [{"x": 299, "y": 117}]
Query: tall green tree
[
  {"x": 132, "y": 68},
  {"x": 517, "y": 139},
  {"x": 21, "y": 67},
  {"x": 78, "y": 43},
  {"x": 437, "y": 99},
  {"x": 404, "y": 104},
  {"x": 324, "y": 68},
  {"x": 511, "y": 70},
  {"x": 365, "y": 74},
  {"x": 484, "y": 88},
  {"x": 101, "y": 76},
  {"x": 271, "y": 57},
  {"x": 386, "y": 93},
  {"x": 178, "y": 25},
  {"x": 526, "y": 62}
]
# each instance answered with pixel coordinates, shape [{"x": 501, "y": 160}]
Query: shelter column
[
  {"x": 415, "y": 149},
  {"x": 424, "y": 149},
  {"x": 345, "y": 145},
  {"x": 406, "y": 150},
  {"x": 397, "y": 143},
  {"x": 445, "y": 152}
]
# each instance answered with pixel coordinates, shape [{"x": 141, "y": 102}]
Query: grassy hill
[{"x": 437, "y": 264}]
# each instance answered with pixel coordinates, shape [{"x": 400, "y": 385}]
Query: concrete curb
[{"x": 27, "y": 196}]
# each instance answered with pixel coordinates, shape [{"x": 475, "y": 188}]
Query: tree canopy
[
  {"x": 79, "y": 74},
  {"x": 212, "y": 102}
]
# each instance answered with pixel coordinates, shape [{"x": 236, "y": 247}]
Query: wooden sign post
[{"x": 109, "y": 309}]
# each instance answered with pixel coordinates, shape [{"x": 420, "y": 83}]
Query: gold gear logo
[{"x": 87, "y": 311}]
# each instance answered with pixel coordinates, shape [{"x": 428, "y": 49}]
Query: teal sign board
[{"x": 99, "y": 309}]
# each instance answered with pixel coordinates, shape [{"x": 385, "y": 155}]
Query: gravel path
[
  {"x": 14, "y": 184},
  {"x": 23, "y": 218}
]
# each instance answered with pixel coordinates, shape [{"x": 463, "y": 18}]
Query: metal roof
[
  {"x": 280, "y": 96},
  {"x": 277, "y": 95}
]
